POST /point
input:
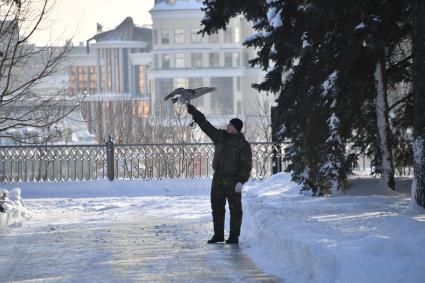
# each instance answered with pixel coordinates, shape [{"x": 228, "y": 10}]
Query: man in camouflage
[{"x": 232, "y": 164}]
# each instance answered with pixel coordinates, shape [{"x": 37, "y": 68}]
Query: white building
[
  {"x": 142, "y": 65},
  {"x": 184, "y": 58},
  {"x": 111, "y": 73}
]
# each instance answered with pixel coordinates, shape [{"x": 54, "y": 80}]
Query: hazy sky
[{"x": 78, "y": 18}]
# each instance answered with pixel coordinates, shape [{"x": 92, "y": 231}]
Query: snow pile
[
  {"x": 361, "y": 236},
  {"x": 117, "y": 188},
  {"x": 346, "y": 238},
  {"x": 14, "y": 213}
]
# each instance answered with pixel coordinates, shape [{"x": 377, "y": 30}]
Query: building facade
[
  {"x": 184, "y": 58},
  {"x": 135, "y": 68},
  {"x": 110, "y": 75}
]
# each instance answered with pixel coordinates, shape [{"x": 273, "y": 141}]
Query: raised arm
[{"x": 203, "y": 123}]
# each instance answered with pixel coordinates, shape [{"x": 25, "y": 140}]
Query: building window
[
  {"x": 141, "y": 79},
  {"x": 164, "y": 87},
  {"x": 228, "y": 59},
  {"x": 179, "y": 82},
  {"x": 195, "y": 83},
  {"x": 228, "y": 36},
  {"x": 214, "y": 59},
  {"x": 93, "y": 79},
  {"x": 179, "y": 36},
  {"x": 196, "y": 59},
  {"x": 165, "y": 36},
  {"x": 237, "y": 60},
  {"x": 213, "y": 38},
  {"x": 237, "y": 35},
  {"x": 195, "y": 37},
  {"x": 165, "y": 61},
  {"x": 156, "y": 61},
  {"x": 179, "y": 60},
  {"x": 155, "y": 36},
  {"x": 222, "y": 100},
  {"x": 141, "y": 109},
  {"x": 238, "y": 83},
  {"x": 72, "y": 80}
]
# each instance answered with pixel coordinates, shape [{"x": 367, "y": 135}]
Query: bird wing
[
  {"x": 173, "y": 93},
  {"x": 169, "y": 96},
  {"x": 202, "y": 90}
]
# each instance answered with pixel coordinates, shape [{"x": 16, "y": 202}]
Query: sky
[{"x": 77, "y": 18}]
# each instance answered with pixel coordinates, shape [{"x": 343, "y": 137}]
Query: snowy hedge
[{"x": 14, "y": 211}]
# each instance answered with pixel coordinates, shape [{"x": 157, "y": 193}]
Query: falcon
[{"x": 184, "y": 95}]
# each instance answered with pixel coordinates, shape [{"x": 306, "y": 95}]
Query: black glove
[{"x": 190, "y": 109}]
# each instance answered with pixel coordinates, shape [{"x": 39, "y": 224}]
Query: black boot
[
  {"x": 233, "y": 240},
  {"x": 215, "y": 239}
]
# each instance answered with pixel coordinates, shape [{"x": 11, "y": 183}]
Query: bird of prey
[{"x": 184, "y": 95}]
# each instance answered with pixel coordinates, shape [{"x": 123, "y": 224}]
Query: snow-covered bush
[{"x": 14, "y": 213}]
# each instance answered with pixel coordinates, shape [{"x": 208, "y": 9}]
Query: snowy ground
[{"x": 362, "y": 236}]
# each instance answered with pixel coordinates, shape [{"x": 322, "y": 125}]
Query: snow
[
  {"x": 271, "y": 13},
  {"x": 261, "y": 34},
  {"x": 361, "y": 236},
  {"x": 360, "y": 26},
  {"x": 304, "y": 39},
  {"x": 274, "y": 19},
  {"x": 329, "y": 83}
]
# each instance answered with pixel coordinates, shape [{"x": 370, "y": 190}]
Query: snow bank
[
  {"x": 347, "y": 238},
  {"x": 15, "y": 213},
  {"x": 117, "y": 188},
  {"x": 101, "y": 196}
]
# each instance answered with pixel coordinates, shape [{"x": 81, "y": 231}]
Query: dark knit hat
[{"x": 237, "y": 123}]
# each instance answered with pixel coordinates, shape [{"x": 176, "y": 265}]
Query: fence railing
[{"x": 123, "y": 161}]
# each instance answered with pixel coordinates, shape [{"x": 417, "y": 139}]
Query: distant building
[
  {"x": 125, "y": 73},
  {"x": 184, "y": 58},
  {"x": 116, "y": 64},
  {"x": 112, "y": 76}
]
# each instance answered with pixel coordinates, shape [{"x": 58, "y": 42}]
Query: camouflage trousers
[{"x": 223, "y": 188}]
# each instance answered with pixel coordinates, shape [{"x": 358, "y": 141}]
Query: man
[{"x": 232, "y": 164}]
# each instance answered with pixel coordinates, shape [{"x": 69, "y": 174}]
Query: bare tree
[
  {"x": 23, "y": 66},
  {"x": 258, "y": 125},
  {"x": 129, "y": 122}
]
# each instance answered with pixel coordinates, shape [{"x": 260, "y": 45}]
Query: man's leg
[
  {"x": 218, "y": 206},
  {"x": 235, "y": 207}
]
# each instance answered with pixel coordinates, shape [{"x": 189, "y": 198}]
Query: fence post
[
  {"x": 110, "y": 159},
  {"x": 277, "y": 159},
  {"x": 276, "y": 145}
]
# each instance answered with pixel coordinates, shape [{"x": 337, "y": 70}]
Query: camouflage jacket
[{"x": 232, "y": 156}]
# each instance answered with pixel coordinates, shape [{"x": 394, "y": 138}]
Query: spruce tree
[
  {"x": 300, "y": 44},
  {"x": 419, "y": 99}
]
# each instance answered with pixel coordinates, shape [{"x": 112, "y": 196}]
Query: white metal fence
[{"x": 138, "y": 161}]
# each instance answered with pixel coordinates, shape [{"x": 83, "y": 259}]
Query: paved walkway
[{"x": 137, "y": 251}]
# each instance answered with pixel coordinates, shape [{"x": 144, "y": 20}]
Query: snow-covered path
[{"x": 146, "y": 239}]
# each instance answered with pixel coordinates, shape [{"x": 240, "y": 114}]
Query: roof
[{"x": 126, "y": 31}]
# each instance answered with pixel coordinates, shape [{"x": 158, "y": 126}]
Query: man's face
[{"x": 231, "y": 129}]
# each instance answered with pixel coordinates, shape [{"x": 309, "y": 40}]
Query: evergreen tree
[
  {"x": 419, "y": 100},
  {"x": 300, "y": 45}
]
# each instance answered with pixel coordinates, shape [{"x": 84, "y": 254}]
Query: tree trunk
[
  {"x": 419, "y": 100},
  {"x": 385, "y": 152}
]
